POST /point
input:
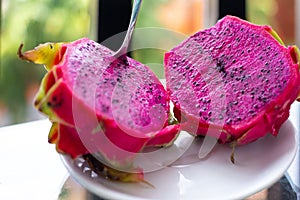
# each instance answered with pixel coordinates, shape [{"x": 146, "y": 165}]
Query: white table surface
[{"x": 31, "y": 169}]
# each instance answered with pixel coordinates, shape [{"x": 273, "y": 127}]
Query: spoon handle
[{"x": 124, "y": 47}]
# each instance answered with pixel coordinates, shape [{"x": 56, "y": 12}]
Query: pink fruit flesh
[{"x": 234, "y": 78}]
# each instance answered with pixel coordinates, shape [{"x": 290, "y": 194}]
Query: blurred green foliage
[
  {"x": 148, "y": 18},
  {"x": 33, "y": 22},
  {"x": 260, "y": 11}
]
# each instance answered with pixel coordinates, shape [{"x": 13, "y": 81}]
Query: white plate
[{"x": 258, "y": 165}]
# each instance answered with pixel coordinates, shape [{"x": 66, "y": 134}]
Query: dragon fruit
[
  {"x": 101, "y": 105},
  {"x": 234, "y": 81}
]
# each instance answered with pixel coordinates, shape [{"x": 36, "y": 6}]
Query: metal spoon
[{"x": 124, "y": 47}]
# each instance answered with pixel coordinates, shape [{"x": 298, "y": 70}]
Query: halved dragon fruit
[
  {"x": 234, "y": 81},
  {"x": 101, "y": 105}
]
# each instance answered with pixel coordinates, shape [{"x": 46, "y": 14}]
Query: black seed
[
  {"x": 113, "y": 83},
  {"x": 231, "y": 74},
  {"x": 159, "y": 97},
  {"x": 228, "y": 121},
  {"x": 244, "y": 77},
  {"x": 115, "y": 101},
  {"x": 241, "y": 68},
  {"x": 220, "y": 67}
]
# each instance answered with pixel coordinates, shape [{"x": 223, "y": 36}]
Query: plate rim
[{"x": 102, "y": 191}]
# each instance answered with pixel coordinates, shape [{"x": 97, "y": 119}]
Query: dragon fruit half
[
  {"x": 234, "y": 81},
  {"x": 98, "y": 104}
]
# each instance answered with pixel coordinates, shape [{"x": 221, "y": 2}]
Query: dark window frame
[{"x": 114, "y": 16}]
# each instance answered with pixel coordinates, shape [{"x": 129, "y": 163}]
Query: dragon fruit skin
[
  {"x": 235, "y": 79},
  {"x": 101, "y": 105}
]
